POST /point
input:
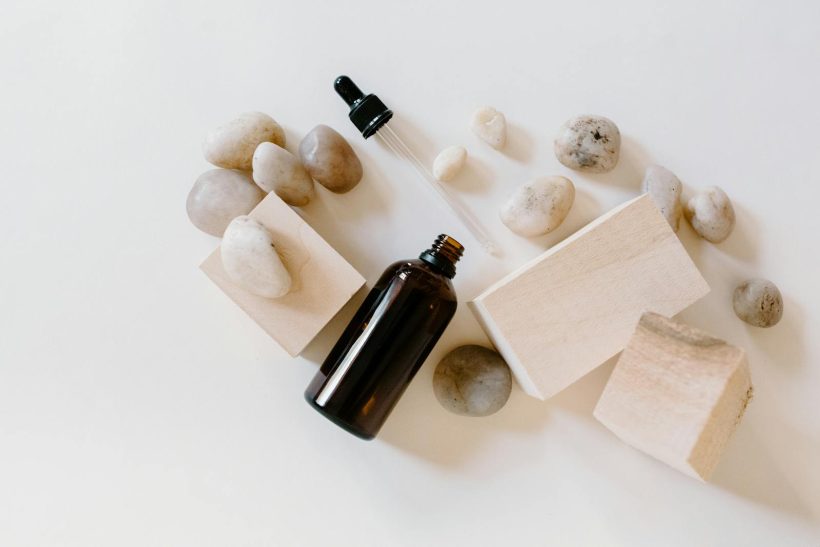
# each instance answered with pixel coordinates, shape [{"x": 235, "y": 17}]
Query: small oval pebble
[
  {"x": 232, "y": 145},
  {"x": 538, "y": 207},
  {"x": 711, "y": 214},
  {"x": 758, "y": 302},
  {"x": 330, "y": 160},
  {"x": 472, "y": 381},
  {"x": 589, "y": 143},
  {"x": 277, "y": 170},
  {"x": 218, "y": 196},
  {"x": 490, "y": 126},
  {"x": 250, "y": 259},
  {"x": 664, "y": 188},
  {"x": 449, "y": 162}
]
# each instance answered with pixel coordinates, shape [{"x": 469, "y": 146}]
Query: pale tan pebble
[
  {"x": 218, "y": 196},
  {"x": 232, "y": 145},
  {"x": 490, "y": 126},
  {"x": 449, "y": 162},
  {"x": 250, "y": 259},
  {"x": 758, "y": 302},
  {"x": 588, "y": 143},
  {"x": 539, "y": 206},
  {"x": 277, "y": 170},
  {"x": 665, "y": 190},
  {"x": 330, "y": 160},
  {"x": 711, "y": 214}
]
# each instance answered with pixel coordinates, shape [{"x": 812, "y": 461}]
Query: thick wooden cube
[
  {"x": 576, "y": 305},
  {"x": 676, "y": 393},
  {"x": 323, "y": 281}
]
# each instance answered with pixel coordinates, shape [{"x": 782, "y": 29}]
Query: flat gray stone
[{"x": 472, "y": 381}]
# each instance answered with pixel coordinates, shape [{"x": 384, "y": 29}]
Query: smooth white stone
[
  {"x": 588, "y": 143},
  {"x": 250, "y": 259},
  {"x": 219, "y": 196},
  {"x": 449, "y": 162},
  {"x": 664, "y": 188},
  {"x": 277, "y": 170},
  {"x": 490, "y": 126},
  {"x": 711, "y": 214},
  {"x": 538, "y": 207},
  {"x": 232, "y": 145}
]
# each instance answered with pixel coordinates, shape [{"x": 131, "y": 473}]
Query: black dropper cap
[{"x": 367, "y": 112}]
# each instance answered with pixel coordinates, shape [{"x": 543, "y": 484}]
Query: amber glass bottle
[{"x": 387, "y": 340}]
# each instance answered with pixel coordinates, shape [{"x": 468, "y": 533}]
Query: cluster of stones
[
  {"x": 252, "y": 161},
  {"x": 474, "y": 381},
  {"x": 471, "y": 380}
]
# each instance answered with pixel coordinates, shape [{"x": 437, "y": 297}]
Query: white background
[{"x": 139, "y": 406}]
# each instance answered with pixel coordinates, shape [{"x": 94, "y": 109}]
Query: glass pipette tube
[
  {"x": 389, "y": 137},
  {"x": 370, "y": 116}
]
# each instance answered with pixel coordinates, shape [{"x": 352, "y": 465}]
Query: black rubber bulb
[
  {"x": 348, "y": 90},
  {"x": 367, "y": 112}
]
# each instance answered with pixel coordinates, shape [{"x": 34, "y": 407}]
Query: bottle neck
[{"x": 443, "y": 255}]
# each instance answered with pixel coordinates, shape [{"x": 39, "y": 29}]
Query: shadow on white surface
[
  {"x": 475, "y": 177},
  {"x": 758, "y": 466},
  {"x": 520, "y": 145},
  {"x": 740, "y": 242}
]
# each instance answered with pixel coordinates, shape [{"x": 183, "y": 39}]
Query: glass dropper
[{"x": 370, "y": 115}]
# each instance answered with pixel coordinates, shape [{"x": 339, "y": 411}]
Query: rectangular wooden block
[
  {"x": 576, "y": 305},
  {"x": 677, "y": 394},
  {"x": 323, "y": 281}
]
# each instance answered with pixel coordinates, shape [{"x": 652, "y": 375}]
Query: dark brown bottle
[{"x": 387, "y": 340}]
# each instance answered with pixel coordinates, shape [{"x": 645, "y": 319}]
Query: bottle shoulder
[{"x": 417, "y": 273}]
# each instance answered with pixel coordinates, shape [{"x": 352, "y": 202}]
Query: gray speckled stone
[
  {"x": 472, "y": 381},
  {"x": 219, "y": 196},
  {"x": 589, "y": 143},
  {"x": 664, "y": 188},
  {"x": 758, "y": 302},
  {"x": 330, "y": 160}
]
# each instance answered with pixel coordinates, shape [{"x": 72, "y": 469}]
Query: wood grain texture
[
  {"x": 573, "y": 307},
  {"x": 677, "y": 394},
  {"x": 323, "y": 281}
]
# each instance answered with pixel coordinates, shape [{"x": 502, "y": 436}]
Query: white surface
[{"x": 139, "y": 407}]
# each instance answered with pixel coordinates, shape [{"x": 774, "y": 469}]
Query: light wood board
[
  {"x": 676, "y": 393},
  {"x": 573, "y": 307},
  {"x": 323, "y": 281}
]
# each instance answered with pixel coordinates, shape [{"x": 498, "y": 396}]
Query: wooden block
[
  {"x": 576, "y": 305},
  {"x": 677, "y": 394},
  {"x": 322, "y": 280}
]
